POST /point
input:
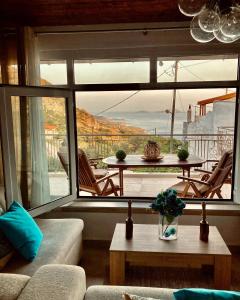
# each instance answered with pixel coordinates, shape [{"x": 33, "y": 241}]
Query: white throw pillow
[{"x": 135, "y": 297}]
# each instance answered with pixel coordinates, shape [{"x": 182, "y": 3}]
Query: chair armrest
[
  {"x": 203, "y": 171},
  {"x": 193, "y": 180},
  {"x": 107, "y": 177},
  {"x": 212, "y": 160},
  {"x": 11, "y": 285},
  {"x": 56, "y": 282}
]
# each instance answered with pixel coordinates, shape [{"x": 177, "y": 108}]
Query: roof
[
  {"x": 225, "y": 97},
  {"x": 50, "y": 126}
]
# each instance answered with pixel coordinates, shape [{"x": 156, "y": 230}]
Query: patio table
[{"x": 136, "y": 161}]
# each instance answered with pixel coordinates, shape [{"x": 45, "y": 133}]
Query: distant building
[
  {"x": 213, "y": 127},
  {"x": 50, "y": 128}
]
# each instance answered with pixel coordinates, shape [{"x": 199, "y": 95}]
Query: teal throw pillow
[
  {"x": 205, "y": 294},
  {"x": 21, "y": 230}
]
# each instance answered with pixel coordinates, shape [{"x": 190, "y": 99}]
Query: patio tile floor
[{"x": 135, "y": 184}]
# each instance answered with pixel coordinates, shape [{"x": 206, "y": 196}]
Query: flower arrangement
[
  {"x": 170, "y": 207},
  {"x": 168, "y": 204}
]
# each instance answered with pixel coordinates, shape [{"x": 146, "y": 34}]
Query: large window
[
  {"x": 112, "y": 71},
  {"x": 201, "y": 120},
  {"x": 197, "y": 69},
  {"x": 179, "y": 102}
]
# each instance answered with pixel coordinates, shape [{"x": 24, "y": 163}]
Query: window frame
[
  {"x": 9, "y": 163},
  {"x": 154, "y": 85}
]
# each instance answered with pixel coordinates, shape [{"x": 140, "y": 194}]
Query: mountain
[
  {"x": 54, "y": 114},
  {"x": 88, "y": 124}
]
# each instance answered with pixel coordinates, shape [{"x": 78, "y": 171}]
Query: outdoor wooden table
[
  {"x": 188, "y": 251},
  {"x": 136, "y": 161}
]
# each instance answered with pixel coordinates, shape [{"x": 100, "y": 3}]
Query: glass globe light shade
[
  {"x": 198, "y": 34},
  {"x": 209, "y": 20},
  {"x": 230, "y": 23},
  {"x": 191, "y": 8},
  {"x": 223, "y": 38}
]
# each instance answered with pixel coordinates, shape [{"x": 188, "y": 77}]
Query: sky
[{"x": 138, "y": 71}]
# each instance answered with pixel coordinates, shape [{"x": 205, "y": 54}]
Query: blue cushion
[
  {"x": 205, "y": 294},
  {"x": 21, "y": 230}
]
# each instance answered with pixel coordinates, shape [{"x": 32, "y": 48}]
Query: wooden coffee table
[{"x": 147, "y": 249}]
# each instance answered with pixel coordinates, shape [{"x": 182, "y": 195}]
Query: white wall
[
  {"x": 222, "y": 115},
  {"x": 100, "y": 226}
]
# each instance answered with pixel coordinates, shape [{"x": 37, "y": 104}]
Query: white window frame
[{"x": 9, "y": 163}]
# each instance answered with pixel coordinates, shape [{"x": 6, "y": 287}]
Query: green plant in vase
[{"x": 170, "y": 207}]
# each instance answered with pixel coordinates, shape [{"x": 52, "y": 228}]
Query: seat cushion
[
  {"x": 61, "y": 245},
  {"x": 11, "y": 285},
  {"x": 180, "y": 186},
  {"x": 116, "y": 292},
  {"x": 56, "y": 282}
]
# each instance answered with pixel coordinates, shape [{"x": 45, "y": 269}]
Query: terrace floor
[{"x": 135, "y": 184}]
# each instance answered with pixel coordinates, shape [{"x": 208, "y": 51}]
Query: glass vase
[{"x": 168, "y": 227}]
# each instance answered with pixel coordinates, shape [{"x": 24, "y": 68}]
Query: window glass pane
[
  {"x": 111, "y": 71},
  {"x": 2, "y": 186},
  {"x": 192, "y": 69},
  {"x": 201, "y": 120},
  {"x": 53, "y": 72},
  {"x": 41, "y": 149}
]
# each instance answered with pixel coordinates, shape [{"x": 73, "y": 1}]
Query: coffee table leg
[
  {"x": 222, "y": 272},
  {"x": 117, "y": 268}
]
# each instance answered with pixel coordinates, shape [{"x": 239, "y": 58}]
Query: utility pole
[{"x": 173, "y": 107}]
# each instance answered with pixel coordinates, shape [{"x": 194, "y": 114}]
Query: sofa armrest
[
  {"x": 60, "y": 282},
  {"x": 11, "y": 285}
]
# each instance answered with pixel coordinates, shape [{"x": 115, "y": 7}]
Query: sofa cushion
[
  {"x": 11, "y": 285},
  {"x": 205, "y": 294},
  {"x": 62, "y": 237},
  {"x": 56, "y": 282},
  {"x": 116, "y": 292},
  {"x": 21, "y": 230}
]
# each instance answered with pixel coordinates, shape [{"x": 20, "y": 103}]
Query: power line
[
  {"x": 116, "y": 104},
  {"x": 129, "y": 97}
]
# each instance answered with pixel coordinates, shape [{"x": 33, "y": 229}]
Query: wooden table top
[
  {"x": 145, "y": 239},
  {"x": 169, "y": 160}
]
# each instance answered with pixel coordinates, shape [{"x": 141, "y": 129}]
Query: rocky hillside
[{"x": 54, "y": 114}]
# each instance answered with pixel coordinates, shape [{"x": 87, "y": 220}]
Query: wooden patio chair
[
  {"x": 99, "y": 173},
  {"x": 88, "y": 181},
  {"x": 206, "y": 187},
  {"x": 207, "y": 173}
]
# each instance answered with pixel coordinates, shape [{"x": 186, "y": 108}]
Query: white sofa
[
  {"x": 65, "y": 282},
  {"x": 62, "y": 244}
]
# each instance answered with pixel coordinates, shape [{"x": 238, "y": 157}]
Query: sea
[{"x": 152, "y": 122}]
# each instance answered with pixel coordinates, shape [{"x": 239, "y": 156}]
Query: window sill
[{"x": 143, "y": 208}]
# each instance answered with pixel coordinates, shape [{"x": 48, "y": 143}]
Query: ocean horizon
[{"x": 152, "y": 122}]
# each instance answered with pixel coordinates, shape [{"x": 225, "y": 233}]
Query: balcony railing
[{"x": 205, "y": 146}]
